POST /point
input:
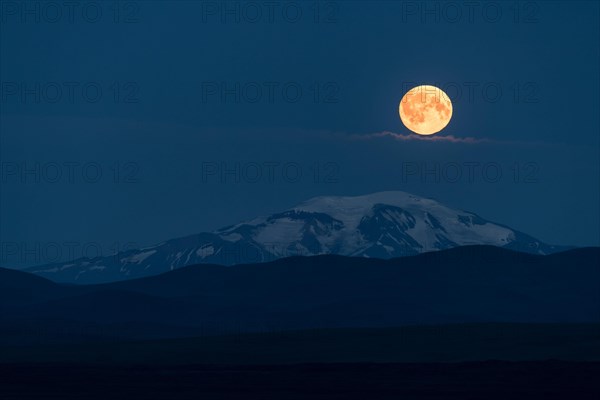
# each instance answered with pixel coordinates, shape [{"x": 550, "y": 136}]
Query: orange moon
[{"x": 425, "y": 109}]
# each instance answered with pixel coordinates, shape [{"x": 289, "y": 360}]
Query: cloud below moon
[
  {"x": 444, "y": 139},
  {"x": 420, "y": 138}
]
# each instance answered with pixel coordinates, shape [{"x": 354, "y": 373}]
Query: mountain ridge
[
  {"x": 470, "y": 284},
  {"x": 380, "y": 225}
]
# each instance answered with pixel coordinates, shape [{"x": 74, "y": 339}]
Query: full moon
[{"x": 425, "y": 109}]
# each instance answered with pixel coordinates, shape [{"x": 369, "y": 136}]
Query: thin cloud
[{"x": 416, "y": 138}]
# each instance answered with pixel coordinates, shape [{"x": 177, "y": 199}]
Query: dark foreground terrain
[
  {"x": 409, "y": 344},
  {"x": 531, "y": 361},
  {"x": 482, "y": 380},
  {"x": 423, "y": 327}
]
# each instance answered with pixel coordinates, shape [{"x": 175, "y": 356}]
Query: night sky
[{"x": 157, "y": 119}]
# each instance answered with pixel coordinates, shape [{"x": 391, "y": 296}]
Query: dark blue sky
[{"x": 140, "y": 108}]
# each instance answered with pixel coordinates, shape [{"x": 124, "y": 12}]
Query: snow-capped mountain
[{"x": 381, "y": 225}]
